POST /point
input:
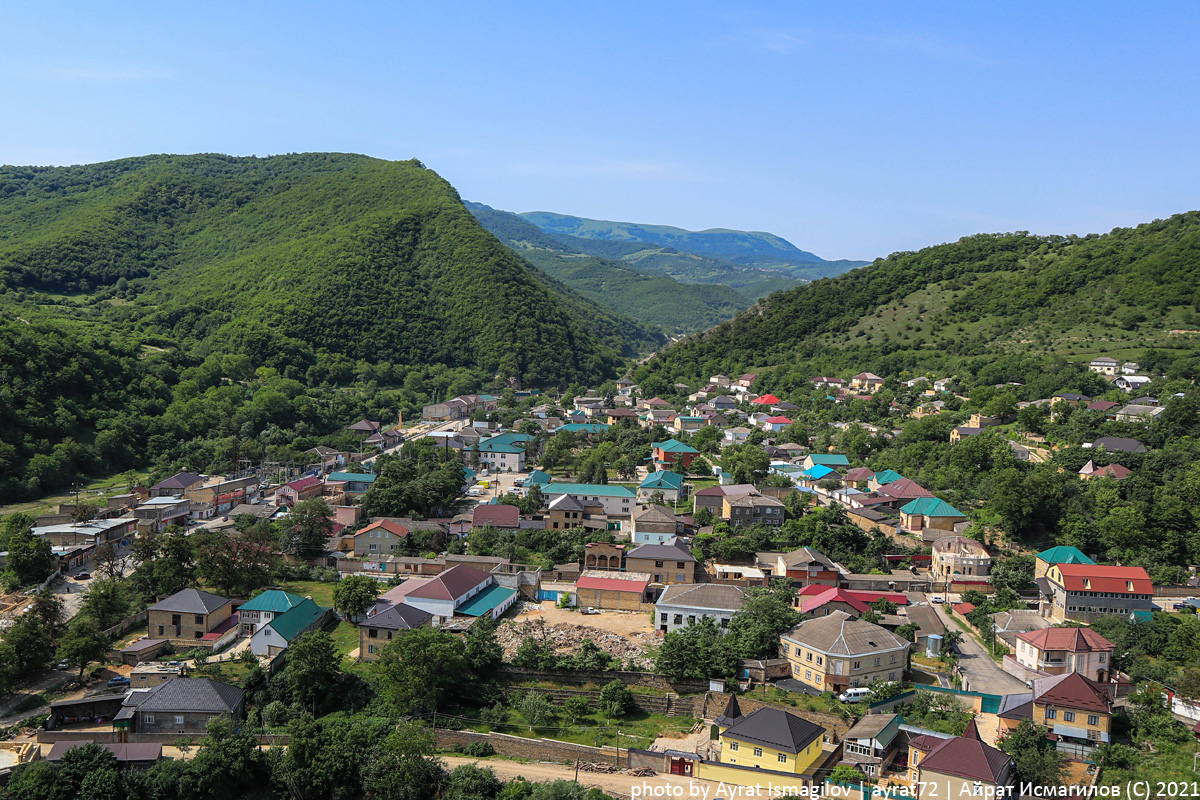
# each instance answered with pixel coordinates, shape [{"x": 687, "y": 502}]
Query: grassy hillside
[
  {"x": 967, "y": 305},
  {"x": 652, "y": 299}
]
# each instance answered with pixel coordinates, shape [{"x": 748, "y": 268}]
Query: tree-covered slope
[
  {"x": 971, "y": 301},
  {"x": 374, "y": 259},
  {"x": 653, "y": 299}
]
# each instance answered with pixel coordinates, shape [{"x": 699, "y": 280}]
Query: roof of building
[
  {"x": 274, "y": 600},
  {"x": 819, "y": 471},
  {"x": 840, "y": 634},
  {"x": 674, "y": 446},
  {"x": 609, "y": 580},
  {"x": 1075, "y": 640},
  {"x": 904, "y": 489},
  {"x": 588, "y": 489},
  {"x": 394, "y": 528},
  {"x": 963, "y": 608},
  {"x": 676, "y": 550},
  {"x": 662, "y": 479},
  {"x": 753, "y": 500},
  {"x": 297, "y": 620},
  {"x": 703, "y": 595},
  {"x": 584, "y": 427},
  {"x": 859, "y": 474},
  {"x": 931, "y": 507},
  {"x": 1063, "y": 554},
  {"x": 867, "y": 376},
  {"x": 191, "y": 601},
  {"x": 500, "y": 515},
  {"x": 1095, "y": 578},
  {"x": 565, "y": 502},
  {"x": 829, "y": 459},
  {"x": 123, "y": 752},
  {"x": 189, "y": 694},
  {"x": 358, "y": 477},
  {"x": 766, "y": 400},
  {"x": 451, "y": 584},
  {"x": 537, "y": 477},
  {"x": 1120, "y": 444},
  {"x": 727, "y": 491},
  {"x": 777, "y": 420},
  {"x": 775, "y": 728},
  {"x": 731, "y": 714},
  {"x": 966, "y": 758},
  {"x": 871, "y": 726},
  {"x": 887, "y": 476},
  {"x": 485, "y": 601},
  {"x": 142, "y": 644},
  {"x": 801, "y": 557},
  {"x": 654, "y": 513},
  {"x": 832, "y": 594},
  {"x": 960, "y": 545},
  {"x": 180, "y": 480},
  {"x": 399, "y": 617},
  {"x": 1071, "y": 690}
]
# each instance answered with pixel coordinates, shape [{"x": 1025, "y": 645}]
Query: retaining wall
[
  {"x": 534, "y": 749},
  {"x": 647, "y": 679}
]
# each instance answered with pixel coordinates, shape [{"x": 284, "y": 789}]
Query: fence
[
  {"x": 568, "y": 676},
  {"x": 127, "y": 624},
  {"x": 534, "y": 749}
]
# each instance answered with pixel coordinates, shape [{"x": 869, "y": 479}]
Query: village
[{"x": 911, "y": 652}]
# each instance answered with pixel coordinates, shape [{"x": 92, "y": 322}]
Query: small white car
[
  {"x": 936, "y": 598},
  {"x": 855, "y": 695}
]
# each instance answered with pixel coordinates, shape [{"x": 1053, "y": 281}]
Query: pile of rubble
[
  {"x": 566, "y": 638},
  {"x": 640, "y": 772},
  {"x": 592, "y": 766}
]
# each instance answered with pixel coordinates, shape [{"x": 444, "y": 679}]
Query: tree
[
  {"x": 616, "y": 699},
  {"x": 767, "y": 613},
  {"x": 227, "y": 761},
  {"x": 312, "y": 672},
  {"x": 109, "y": 561},
  {"x": 30, "y": 560},
  {"x": 29, "y": 644},
  {"x": 1014, "y": 572},
  {"x": 951, "y": 639},
  {"x": 308, "y": 528},
  {"x": 576, "y": 708},
  {"x": 699, "y": 650},
  {"x": 106, "y": 602},
  {"x": 481, "y": 649},
  {"x": 471, "y": 782},
  {"x": 1036, "y": 759},
  {"x": 704, "y": 517},
  {"x": 418, "y": 667},
  {"x": 355, "y": 594},
  {"x": 399, "y": 767},
  {"x": 83, "y": 643},
  {"x": 844, "y": 773},
  {"x": 236, "y": 562},
  {"x": 536, "y": 709}
]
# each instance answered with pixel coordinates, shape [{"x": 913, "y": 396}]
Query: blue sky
[{"x": 851, "y": 129}]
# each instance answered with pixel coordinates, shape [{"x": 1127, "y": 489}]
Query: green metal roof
[
  {"x": 831, "y": 460},
  {"x": 490, "y": 446},
  {"x": 360, "y": 477},
  {"x": 587, "y": 427},
  {"x": 291, "y": 624},
  {"x": 931, "y": 507},
  {"x": 485, "y": 601},
  {"x": 586, "y": 489},
  {"x": 887, "y": 476},
  {"x": 273, "y": 600},
  {"x": 1064, "y": 554},
  {"x": 537, "y": 477},
  {"x": 673, "y": 446},
  {"x": 662, "y": 480}
]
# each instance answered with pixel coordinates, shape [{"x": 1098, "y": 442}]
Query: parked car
[
  {"x": 855, "y": 695},
  {"x": 1181, "y": 606},
  {"x": 62, "y": 665},
  {"x": 936, "y": 598},
  {"x": 589, "y": 610},
  {"x": 120, "y": 680},
  {"x": 83, "y": 576}
]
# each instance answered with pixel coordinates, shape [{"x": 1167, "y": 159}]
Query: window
[
  {"x": 782, "y": 758},
  {"x": 679, "y": 565},
  {"x": 857, "y": 664},
  {"x": 891, "y": 676},
  {"x": 372, "y": 633},
  {"x": 1093, "y": 736},
  {"x": 663, "y": 618},
  {"x": 1093, "y": 719},
  {"x": 679, "y": 619},
  {"x": 820, "y": 661},
  {"x": 782, "y": 647},
  {"x": 877, "y": 660},
  {"x": 1068, "y": 716},
  {"x": 893, "y": 659},
  {"x": 733, "y": 745},
  {"x": 1102, "y": 658},
  {"x": 199, "y": 619},
  {"x": 808, "y": 674},
  {"x": 1051, "y": 713},
  {"x": 809, "y": 656},
  {"x": 658, "y": 563},
  {"x": 160, "y": 630},
  {"x": 758, "y": 751},
  {"x": 148, "y": 719},
  {"x": 373, "y": 547},
  {"x": 179, "y": 719},
  {"x": 370, "y": 648}
]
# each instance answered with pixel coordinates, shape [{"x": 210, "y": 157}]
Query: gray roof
[
  {"x": 775, "y": 728},
  {"x": 840, "y": 634},
  {"x": 1016, "y": 706},
  {"x": 189, "y": 694},
  {"x": 191, "y": 601},
  {"x": 703, "y": 595},
  {"x": 400, "y": 617},
  {"x": 677, "y": 551},
  {"x": 871, "y": 726}
]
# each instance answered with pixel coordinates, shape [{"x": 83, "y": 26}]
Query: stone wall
[
  {"x": 534, "y": 749},
  {"x": 570, "y": 676},
  {"x": 650, "y": 703}
]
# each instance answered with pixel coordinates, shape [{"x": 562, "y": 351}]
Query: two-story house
[
  {"x": 957, "y": 557},
  {"x": 686, "y": 604},
  {"x": 836, "y": 652},
  {"x": 1054, "y": 651},
  {"x": 749, "y": 509},
  {"x": 769, "y": 739},
  {"x": 1083, "y": 592},
  {"x": 957, "y": 766},
  {"x": 671, "y": 452},
  {"x": 186, "y": 616},
  {"x": 260, "y": 610},
  {"x": 380, "y": 538},
  {"x": 665, "y": 563}
]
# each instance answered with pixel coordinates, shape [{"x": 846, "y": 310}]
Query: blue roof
[
  {"x": 931, "y": 507},
  {"x": 662, "y": 480},
  {"x": 358, "y": 477},
  {"x": 273, "y": 600},
  {"x": 819, "y": 471},
  {"x": 537, "y": 477},
  {"x": 1064, "y": 554},
  {"x": 485, "y": 601},
  {"x": 499, "y": 447}
]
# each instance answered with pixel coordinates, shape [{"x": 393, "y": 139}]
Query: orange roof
[
  {"x": 1075, "y": 640},
  {"x": 1095, "y": 578},
  {"x": 394, "y": 528}
]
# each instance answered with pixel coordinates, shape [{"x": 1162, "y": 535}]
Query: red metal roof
[
  {"x": 966, "y": 758},
  {"x": 830, "y": 595},
  {"x": 1075, "y": 640},
  {"x": 451, "y": 584},
  {"x": 394, "y": 528},
  {"x": 304, "y": 484},
  {"x": 779, "y": 420},
  {"x": 1095, "y": 578},
  {"x": 1072, "y": 690},
  {"x": 501, "y": 516},
  {"x": 611, "y": 584},
  {"x": 963, "y": 608},
  {"x": 863, "y": 597},
  {"x": 905, "y": 488},
  {"x": 766, "y": 400}
]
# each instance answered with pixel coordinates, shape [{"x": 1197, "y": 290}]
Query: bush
[{"x": 476, "y": 749}]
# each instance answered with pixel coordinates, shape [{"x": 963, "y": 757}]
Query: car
[
  {"x": 589, "y": 610},
  {"x": 120, "y": 680},
  {"x": 83, "y": 576},
  {"x": 855, "y": 695},
  {"x": 936, "y": 598},
  {"x": 1181, "y": 606},
  {"x": 62, "y": 665},
  {"x": 174, "y": 663},
  {"x": 474, "y": 491}
]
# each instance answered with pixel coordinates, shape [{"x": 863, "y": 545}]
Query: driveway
[{"x": 983, "y": 674}]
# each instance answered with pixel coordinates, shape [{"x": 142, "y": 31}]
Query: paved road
[{"x": 983, "y": 674}]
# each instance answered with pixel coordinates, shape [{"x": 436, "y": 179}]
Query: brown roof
[
  {"x": 123, "y": 752},
  {"x": 905, "y": 488},
  {"x": 451, "y": 584},
  {"x": 1071, "y": 690},
  {"x": 498, "y": 515},
  {"x": 394, "y": 528},
  {"x": 728, "y": 491},
  {"x": 967, "y": 758},
  {"x": 1075, "y": 640}
]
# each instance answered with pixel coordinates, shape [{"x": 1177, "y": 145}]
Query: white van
[{"x": 855, "y": 695}]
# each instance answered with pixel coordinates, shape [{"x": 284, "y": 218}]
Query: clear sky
[{"x": 853, "y": 129}]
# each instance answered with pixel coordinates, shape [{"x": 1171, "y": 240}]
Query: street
[{"x": 983, "y": 674}]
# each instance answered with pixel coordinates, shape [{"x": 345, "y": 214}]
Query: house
[
  {"x": 1078, "y": 711},
  {"x": 187, "y": 616},
  {"x": 603, "y": 556},
  {"x": 747, "y": 380},
  {"x": 831, "y": 460},
  {"x": 766, "y": 400},
  {"x": 769, "y": 739},
  {"x": 497, "y": 515},
  {"x": 667, "y": 454},
  {"x": 588, "y": 429},
  {"x": 1053, "y": 651},
  {"x": 613, "y": 500},
  {"x": 1115, "y": 471},
  {"x": 957, "y": 557},
  {"x": 654, "y": 403},
  {"x": 384, "y": 439},
  {"x": 1083, "y": 592},
  {"x": 144, "y": 649},
  {"x": 175, "y": 485},
  {"x": 828, "y": 600},
  {"x": 867, "y": 382},
  {"x": 835, "y": 652},
  {"x": 1129, "y": 368},
  {"x": 1118, "y": 444},
  {"x": 625, "y": 386},
  {"x": 1132, "y": 383},
  {"x": 158, "y": 513},
  {"x": 957, "y": 766},
  {"x": 881, "y": 479},
  {"x": 723, "y": 402},
  {"x": 824, "y": 382},
  {"x": 942, "y": 384},
  {"x": 775, "y": 424},
  {"x": 453, "y": 590},
  {"x": 260, "y": 610},
  {"x": 904, "y": 490},
  {"x": 613, "y": 591},
  {"x": 873, "y": 743},
  {"x": 1104, "y": 365},
  {"x": 752, "y": 509},
  {"x": 1010, "y": 624},
  {"x": 685, "y": 604},
  {"x": 300, "y": 489},
  {"x": 654, "y": 524},
  {"x": 668, "y": 563},
  {"x": 365, "y": 426},
  {"x": 668, "y": 485},
  {"x": 182, "y": 705},
  {"x": 929, "y": 515},
  {"x": 379, "y": 628},
  {"x": 713, "y": 498},
  {"x": 379, "y": 538},
  {"x": 736, "y": 435},
  {"x": 1060, "y": 554},
  {"x": 137, "y": 756},
  {"x": 964, "y": 432},
  {"x": 568, "y": 511},
  {"x": 684, "y": 424},
  {"x": 505, "y": 452},
  {"x": 274, "y": 636},
  {"x": 985, "y": 421},
  {"x": 804, "y": 567},
  {"x": 615, "y": 416},
  {"x": 858, "y": 478},
  {"x": 352, "y": 483},
  {"x": 1135, "y": 412},
  {"x": 1105, "y": 406}
]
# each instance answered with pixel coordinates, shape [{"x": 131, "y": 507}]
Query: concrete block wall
[{"x": 534, "y": 749}]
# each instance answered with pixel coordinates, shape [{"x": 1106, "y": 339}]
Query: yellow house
[
  {"x": 957, "y": 766},
  {"x": 769, "y": 739}
]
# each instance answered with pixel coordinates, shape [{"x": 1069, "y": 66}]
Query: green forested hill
[
  {"x": 975, "y": 304},
  {"x": 158, "y": 286},
  {"x": 654, "y": 299}
]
